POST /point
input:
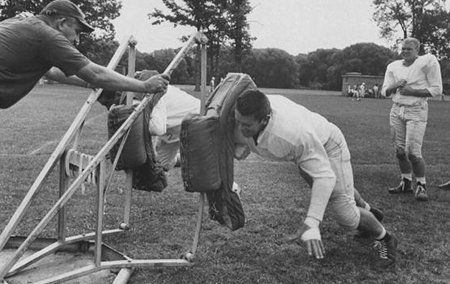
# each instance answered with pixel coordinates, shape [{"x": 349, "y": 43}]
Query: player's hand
[
  {"x": 311, "y": 237},
  {"x": 157, "y": 83},
  {"x": 406, "y": 91},
  {"x": 401, "y": 83}
]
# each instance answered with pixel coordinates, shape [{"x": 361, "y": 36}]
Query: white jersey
[
  {"x": 298, "y": 135},
  {"x": 424, "y": 73},
  {"x": 169, "y": 113}
]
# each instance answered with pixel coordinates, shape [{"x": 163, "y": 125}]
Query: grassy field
[{"x": 274, "y": 197}]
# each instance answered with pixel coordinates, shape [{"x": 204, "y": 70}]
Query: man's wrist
[{"x": 312, "y": 222}]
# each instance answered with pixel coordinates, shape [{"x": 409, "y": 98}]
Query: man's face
[
  {"x": 409, "y": 51},
  {"x": 248, "y": 125},
  {"x": 71, "y": 29}
]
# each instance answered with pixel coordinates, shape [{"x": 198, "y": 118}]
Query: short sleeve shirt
[{"x": 28, "y": 49}]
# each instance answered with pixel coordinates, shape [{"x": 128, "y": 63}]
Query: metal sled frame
[{"x": 105, "y": 257}]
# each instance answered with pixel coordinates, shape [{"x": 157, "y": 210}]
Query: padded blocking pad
[
  {"x": 224, "y": 204},
  {"x": 199, "y": 153},
  {"x": 133, "y": 153}
]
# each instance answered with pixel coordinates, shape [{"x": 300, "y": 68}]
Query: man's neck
[{"x": 409, "y": 62}]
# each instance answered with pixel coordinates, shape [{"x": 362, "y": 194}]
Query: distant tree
[
  {"x": 426, "y": 20},
  {"x": 271, "y": 67},
  {"x": 315, "y": 67},
  {"x": 160, "y": 59},
  {"x": 366, "y": 58},
  {"x": 324, "y": 68},
  {"x": 222, "y": 21},
  {"x": 435, "y": 35},
  {"x": 301, "y": 60},
  {"x": 98, "y": 13},
  {"x": 238, "y": 31},
  {"x": 226, "y": 62}
]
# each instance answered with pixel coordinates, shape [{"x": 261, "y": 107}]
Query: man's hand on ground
[{"x": 311, "y": 237}]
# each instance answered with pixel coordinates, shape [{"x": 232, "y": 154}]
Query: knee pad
[
  {"x": 414, "y": 158},
  {"x": 400, "y": 153}
]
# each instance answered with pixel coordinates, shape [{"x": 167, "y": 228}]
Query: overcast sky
[{"x": 296, "y": 26}]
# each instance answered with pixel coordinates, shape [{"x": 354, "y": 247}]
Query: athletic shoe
[
  {"x": 421, "y": 192},
  {"x": 377, "y": 213},
  {"x": 387, "y": 247},
  {"x": 403, "y": 187},
  {"x": 445, "y": 186}
]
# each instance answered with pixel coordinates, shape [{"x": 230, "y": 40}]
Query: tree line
[{"x": 225, "y": 24}]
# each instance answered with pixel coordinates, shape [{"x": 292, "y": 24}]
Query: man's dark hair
[{"x": 255, "y": 103}]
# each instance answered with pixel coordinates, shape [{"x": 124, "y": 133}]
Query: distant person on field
[
  {"x": 376, "y": 92},
  {"x": 349, "y": 91},
  {"x": 411, "y": 80},
  {"x": 31, "y": 47},
  {"x": 277, "y": 128},
  {"x": 362, "y": 90},
  {"x": 356, "y": 92}
]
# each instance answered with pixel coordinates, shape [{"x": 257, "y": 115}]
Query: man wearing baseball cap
[
  {"x": 67, "y": 8},
  {"x": 31, "y": 47}
]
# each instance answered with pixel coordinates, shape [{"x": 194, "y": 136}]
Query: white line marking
[{"x": 37, "y": 150}]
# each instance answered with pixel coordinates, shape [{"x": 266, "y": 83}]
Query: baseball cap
[{"x": 69, "y": 9}]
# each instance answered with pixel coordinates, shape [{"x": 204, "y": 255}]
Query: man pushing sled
[{"x": 277, "y": 128}]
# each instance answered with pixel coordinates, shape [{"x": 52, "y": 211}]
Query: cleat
[
  {"x": 387, "y": 250},
  {"x": 421, "y": 192},
  {"x": 377, "y": 213},
  {"x": 403, "y": 187}
]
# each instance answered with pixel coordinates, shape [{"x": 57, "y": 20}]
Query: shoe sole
[{"x": 422, "y": 198}]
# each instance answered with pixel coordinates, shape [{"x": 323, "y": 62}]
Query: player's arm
[
  {"x": 390, "y": 85},
  {"x": 432, "y": 71},
  {"x": 315, "y": 164},
  {"x": 410, "y": 92},
  {"x": 309, "y": 232},
  {"x": 56, "y": 74},
  {"x": 102, "y": 77}
]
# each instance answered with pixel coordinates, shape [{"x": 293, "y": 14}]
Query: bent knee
[
  {"x": 400, "y": 153},
  {"x": 414, "y": 158}
]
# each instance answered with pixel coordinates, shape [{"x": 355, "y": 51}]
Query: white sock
[
  {"x": 381, "y": 236},
  {"x": 421, "y": 180},
  {"x": 407, "y": 176}
]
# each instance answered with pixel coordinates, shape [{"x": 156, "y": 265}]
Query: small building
[{"x": 356, "y": 78}]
